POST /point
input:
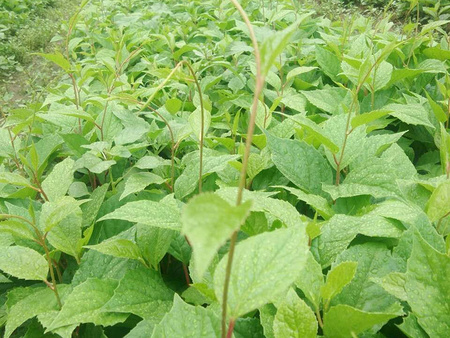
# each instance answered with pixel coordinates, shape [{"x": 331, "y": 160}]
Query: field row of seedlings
[{"x": 211, "y": 170}]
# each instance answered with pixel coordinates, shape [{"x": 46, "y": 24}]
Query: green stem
[{"x": 258, "y": 89}]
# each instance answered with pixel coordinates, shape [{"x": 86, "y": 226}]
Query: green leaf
[
  {"x": 185, "y": 320},
  {"x": 437, "y": 110},
  {"x": 328, "y": 62},
  {"x": 118, "y": 247},
  {"x": 173, "y": 105},
  {"x": 411, "y": 327},
  {"x": 208, "y": 222},
  {"x": 280, "y": 253},
  {"x": 66, "y": 235},
  {"x": 311, "y": 281},
  {"x": 158, "y": 214},
  {"x": 188, "y": 180},
  {"x": 427, "y": 280},
  {"x": 301, "y": 163},
  {"x": 319, "y": 203},
  {"x": 329, "y": 99},
  {"x": 374, "y": 260},
  {"x": 58, "y": 59},
  {"x": 343, "y": 321},
  {"x": 17, "y": 228},
  {"x": 137, "y": 182},
  {"x": 438, "y": 205},
  {"x": 366, "y": 118},
  {"x": 294, "y": 318},
  {"x": 337, "y": 278},
  {"x": 297, "y": 71},
  {"x": 153, "y": 242},
  {"x": 84, "y": 305},
  {"x": 91, "y": 208},
  {"x": 94, "y": 264},
  {"x": 272, "y": 46},
  {"x": 54, "y": 212},
  {"x": 24, "y": 263},
  {"x": 141, "y": 292},
  {"x": 340, "y": 230},
  {"x": 24, "y": 304},
  {"x": 59, "y": 180},
  {"x": 413, "y": 114},
  {"x": 14, "y": 179},
  {"x": 394, "y": 283}
]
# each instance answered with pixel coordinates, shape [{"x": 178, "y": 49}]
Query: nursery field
[{"x": 215, "y": 168}]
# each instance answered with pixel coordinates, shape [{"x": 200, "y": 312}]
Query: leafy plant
[{"x": 209, "y": 169}]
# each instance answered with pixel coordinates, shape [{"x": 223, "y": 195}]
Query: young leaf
[
  {"x": 58, "y": 59},
  {"x": 337, "y": 278},
  {"x": 185, "y": 320},
  {"x": 91, "y": 208},
  {"x": 366, "y": 118},
  {"x": 137, "y": 182},
  {"x": 153, "y": 242},
  {"x": 59, "y": 180},
  {"x": 258, "y": 259},
  {"x": 14, "y": 179},
  {"x": 54, "y": 212},
  {"x": 118, "y": 247},
  {"x": 294, "y": 318},
  {"x": 343, "y": 321},
  {"x": 24, "y": 263},
  {"x": 438, "y": 205},
  {"x": 208, "y": 222}
]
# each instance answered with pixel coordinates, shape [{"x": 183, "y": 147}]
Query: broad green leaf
[
  {"x": 58, "y": 59},
  {"x": 297, "y": 71},
  {"x": 65, "y": 236},
  {"x": 280, "y": 253},
  {"x": 14, "y": 179},
  {"x": 343, "y": 321},
  {"x": 394, "y": 283},
  {"x": 23, "y": 263},
  {"x": 338, "y": 277},
  {"x": 153, "y": 242},
  {"x": 319, "y": 203},
  {"x": 151, "y": 162},
  {"x": 328, "y": 62},
  {"x": 94, "y": 264},
  {"x": 329, "y": 99},
  {"x": 17, "y": 228},
  {"x": 118, "y": 247},
  {"x": 141, "y": 292},
  {"x": 59, "y": 180},
  {"x": 275, "y": 43},
  {"x": 185, "y": 320},
  {"x": 427, "y": 280},
  {"x": 208, "y": 221},
  {"x": 267, "y": 316},
  {"x": 438, "y": 205},
  {"x": 311, "y": 281},
  {"x": 173, "y": 105},
  {"x": 437, "y": 110},
  {"x": 338, "y": 232},
  {"x": 188, "y": 180},
  {"x": 366, "y": 118},
  {"x": 301, "y": 163},
  {"x": 294, "y": 318},
  {"x": 374, "y": 260},
  {"x": 180, "y": 248},
  {"x": 411, "y": 327},
  {"x": 413, "y": 114},
  {"x": 91, "y": 208},
  {"x": 84, "y": 305},
  {"x": 248, "y": 327},
  {"x": 137, "y": 182},
  {"x": 54, "y": 212},
  {"x": 158, "y": 214},
  {"x": 24, "y": 304}
]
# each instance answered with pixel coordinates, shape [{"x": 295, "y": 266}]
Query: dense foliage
[{"x": 118, "y": 192}]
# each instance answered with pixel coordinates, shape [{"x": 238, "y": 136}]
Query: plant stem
[
  {"x": 319, "y": 318},
  {"x": 243, "y": 176},
  {"x": 52, "y": 272},
  {"x": 231, "y": 328}
]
